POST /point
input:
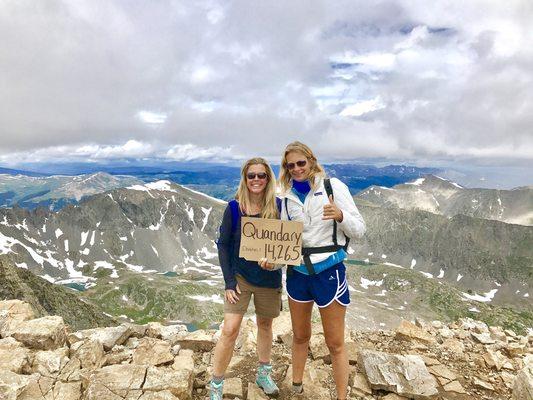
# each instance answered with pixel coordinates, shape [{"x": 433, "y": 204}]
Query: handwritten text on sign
[{"x": 280, "y": 242}]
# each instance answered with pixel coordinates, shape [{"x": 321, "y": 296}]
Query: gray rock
[
  {"x": 90, "y": 352},
  {"x": 109, "y": 337},
  {"x": 233, "y": 388},
  {"x": 50, "y": 362},
  {"x": 13, "y": 356},
  {"x": 152, "y": 352},
  {"x": 523, "y": 385},
  {"x": 46, "y": 333},
  {"x": 179, "y": 383},
  {"x": 404, "y": 375}
]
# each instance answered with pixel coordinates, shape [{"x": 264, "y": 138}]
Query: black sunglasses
[
  {"x": 300, "y": 163},
  {"x": 260, "y": 175}
]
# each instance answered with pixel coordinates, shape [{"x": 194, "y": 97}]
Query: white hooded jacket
[{"x": 318, "y": 232}]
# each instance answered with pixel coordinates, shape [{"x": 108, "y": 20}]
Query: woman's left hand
[
  {"x": 263, "y": 263},
  {"x": 331, "y": 211}
]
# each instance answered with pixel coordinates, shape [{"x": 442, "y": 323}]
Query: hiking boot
[
  {"x": 264, "y": 380},
  {"x": 215, "y": 390}
]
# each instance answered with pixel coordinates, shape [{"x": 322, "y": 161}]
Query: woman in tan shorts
[{"x": 255, "y": 198}]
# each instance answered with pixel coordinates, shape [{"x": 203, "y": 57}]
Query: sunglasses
[
  {"x": 301, "y": 163},
  {"x": 260, "y": 175}
]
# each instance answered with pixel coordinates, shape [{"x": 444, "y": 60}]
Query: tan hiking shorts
[{"x": 267, "y": 301}]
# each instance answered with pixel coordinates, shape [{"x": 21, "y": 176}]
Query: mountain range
[{"x": 440, "y": 196}]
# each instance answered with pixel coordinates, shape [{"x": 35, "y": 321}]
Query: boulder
[
  {"x": 409, "y": 331},
  {"x": 67, "y": 390},
  {"x": 523, "y": 385},
  {"x": 12, "y": 384},
  {"x": 360, "y": 385},
  {"x": 454, "y": 387},
  {"x": 162, "y": 395},
  {"x": 483, "y": 338},
  {"x": 109, "y": 337},
  {"x": 480, "y": 384},
  {"x": 179, "y": 383},
  {"x": 14, "y": 357},
  {"x": 199, "y": 340},
  {"x": 282, "y": 328},
  {"x": 319, "y": 350},
  {"x": 118, "y": 355},
  {"x": 12, "y": 313},
  {"x": 90, "y": 352},
  {"x": 113, "y": 381},
  {"x": 184, "y": 360},
  {"x": 46, "y": 333},
  {"x": 50, "y": 362},
  {"x": 404, "y": 375},
  {"x": 233, "y": 388},
  {"x": 152, "y": 351},
  {"x": 38, "y": 388},
  {"x": 255, "y": 393}
]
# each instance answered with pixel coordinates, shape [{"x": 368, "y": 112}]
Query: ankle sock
[
  {"x": 297, "y": 387},
  {"x": 217, "y": 380}
]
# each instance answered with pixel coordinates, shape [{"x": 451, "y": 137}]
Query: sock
[
  {"x": 217, "y": 380},
  {"x": 264, "y": 362},
  {"x": 297, "y": 387}
]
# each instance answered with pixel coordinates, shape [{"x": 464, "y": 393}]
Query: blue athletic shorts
[{"x": 322, "y": 288}]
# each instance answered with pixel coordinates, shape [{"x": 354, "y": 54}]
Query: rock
[
  {"x": 515, "y": 349},
  {"x": 162, "y": 395},
  {"x": 199, "y": 340},
  {"x": 46, "y": 333},
  {"x": 234, "y": 364},
  {"x": 404, "y": 375},
  {"x": 282, "y": 328},
  {"x": 313, "y": 385},
  {"x": 443, "y": 372},
  {"x": 454, "y": 346},
  {"x": 409, "y": 331},
  {"x": 510, "y": 332},
  {"x": 494, "y": 359},
  {"x": 184, "y": 360},
  {"x": 483, "y": 338},
  {"x": 12, "y": 313},
  {"x": 319, "y": 350},
  {"x": 119, "y": 354},
  {"x": 38, "y": 388},
  {"x": 430, "y": 360},
  {"x": 255, "y": 393},
  {"x": 153, "y": 330},
  {"x": 50, "y": 362},
  {"x": 436, "y": 325},
  {"x": 170, "y": 333},
  {"x": 523, "y": 385},
  {"x": 175, "y": 349},
  {"x": 67, "y": 390},
  {"x": 233, "y": 388},
  {"x": 247, "y": 340},
  {"x": 454, "y": 387},
  {"x": 109, "y": 337},
  {"x": 360, "y": 385},
  {"x": 482, "y": 384},
  {"x": 13, "y": 356},
  {"x": 179, "y": 383},
  {"x": 90, "y": 352},
  {"x": 71, "y": 371},
  {"x": 352, "y": 351},
  {"x": 393, "y": 396},
  {"x": 136, "y": 330},
  {"x": 152, "y": 352},
  {"x": 497, "y": 333},
  {"x": 113, "y": 381},
  {"x": 446, "y": 333},
  {"x": 12, "y": 384}
]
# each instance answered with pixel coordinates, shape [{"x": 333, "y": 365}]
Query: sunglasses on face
[
  {"x": 260, "y": 175},
  {"x": 300, "y": 164}
]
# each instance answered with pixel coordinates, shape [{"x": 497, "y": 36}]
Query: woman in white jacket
[{"x": 329, "y": 220}]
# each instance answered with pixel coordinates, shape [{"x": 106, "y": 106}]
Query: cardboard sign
[{"x": 280, "y": 242}]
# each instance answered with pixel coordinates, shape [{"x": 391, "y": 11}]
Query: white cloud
[{"x": 396, "y": 79}]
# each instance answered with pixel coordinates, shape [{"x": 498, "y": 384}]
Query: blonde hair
[
  {"x": 316, "y": 169},
  {"x": 269, "y": 207}
]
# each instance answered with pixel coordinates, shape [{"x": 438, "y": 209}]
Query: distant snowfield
[
  {"x": 215, "y": 298},
  {"x": 487, "y": 297}
]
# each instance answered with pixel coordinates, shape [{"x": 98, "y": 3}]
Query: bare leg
[
  {"x": 301, "y": 327},
  {"x": 264, "y": 339},
  {"x": 333, "y": 323},
  {"x": 226, "y": 343}
]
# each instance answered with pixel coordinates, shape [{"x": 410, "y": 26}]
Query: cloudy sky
[{"x": 418, "y": 81}]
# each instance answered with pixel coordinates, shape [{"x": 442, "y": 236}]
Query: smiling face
[
  {"x": 256, "y": 185},
  {"x": 300, "y": 172}
]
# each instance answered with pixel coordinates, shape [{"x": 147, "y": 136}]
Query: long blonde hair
[
  {"x": 269, "y": 207},
  {"x": 316, "y": 169}
]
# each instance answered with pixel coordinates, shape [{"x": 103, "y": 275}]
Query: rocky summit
[{"x": 43, "y": 359}]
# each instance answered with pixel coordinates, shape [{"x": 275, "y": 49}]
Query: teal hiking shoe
[
  {"x": 215, "y": 390},
  {"x": 264, "y": 380}
]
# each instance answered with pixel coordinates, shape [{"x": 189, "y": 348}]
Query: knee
[
  {"x": 264, "y": 324},
  {"x": 335, "y": 346},
  {"x": 230, "y": 332},
  {"x": 301, "y": 337}
]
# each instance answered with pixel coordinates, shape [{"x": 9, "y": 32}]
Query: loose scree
[{"x": 280, "y": 242}]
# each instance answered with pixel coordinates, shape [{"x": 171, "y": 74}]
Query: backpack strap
[
  {"x": 329, "y": 192},
  {"x": 235, "y": 214},
  {"x": 278, "y": 204}
]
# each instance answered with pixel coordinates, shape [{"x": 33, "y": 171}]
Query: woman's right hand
[{"x": 231, "y": 295}]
